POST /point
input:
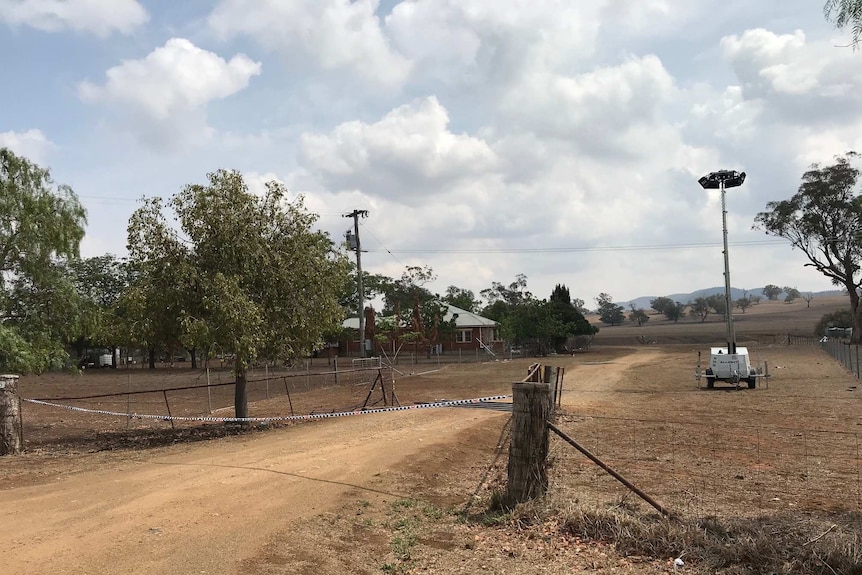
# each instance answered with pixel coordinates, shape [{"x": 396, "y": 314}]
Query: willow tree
[
  {"x": 249, "y": 275},
  {"x": 824, "y": 221},
  {"x": 843, "y": 14},
  {"x": 40, "y": 223}
]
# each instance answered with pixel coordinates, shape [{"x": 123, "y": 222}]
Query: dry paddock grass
[{"x": 765, "y": 480}]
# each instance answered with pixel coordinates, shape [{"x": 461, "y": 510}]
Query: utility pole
[{"x": 356, "y": 214}]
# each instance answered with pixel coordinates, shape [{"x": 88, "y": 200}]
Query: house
[{"x": 472, "y": 332}]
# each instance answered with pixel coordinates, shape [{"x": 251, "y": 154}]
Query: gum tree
[
  {"x": 823, "y": 220},
  {"x": 249, "y": 275}
]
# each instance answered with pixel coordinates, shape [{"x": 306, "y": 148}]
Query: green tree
[
  {"x": 743, "y": 303},
  {"x": 718, "y": 303},
  {"x": 701, "y": 308},
  {"x": 772, "y": 292},
  {"x": 674, "y": 311},
  {"x": 823, "y": 219},
  {"x": 609, "y": 312},
  {"x": 462, "y": 298},
  {"x": 99, "y": 283},
  {"x": 40, "y": 222},
  {"x": 843, "y": 14},
  {"x": 841, "y": 318},
  {"x": 792, "y": 294},
  {"x": 638, "y": 316},
  {"x": 255, "y": 279},
  {"x": 660, "y": 304}
]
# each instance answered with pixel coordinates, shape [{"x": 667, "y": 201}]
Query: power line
[
  {"x": 752, "y": 243},
  {"x": 388, "y": 251}
]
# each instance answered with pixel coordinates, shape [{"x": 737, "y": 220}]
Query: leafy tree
[
  {"x": 609, "y": 312},
  {"x": 674, "y": 311},
  {"x": 844, "y": 13},
  {"x": 743, "y": 303},
  {"x": 824, "y": 220},
  {"x": 513, "y": 294},
  {"x": 462, "y": 298},
  {"x": 638, "y": 316},
  {"x": 792, "y": 294},
  {"x": 808, "y": 297},
  {"x": 841, "y": 318},
  {"x": 39, "y": 223},
  {"x": 99, "y": 283},
  {"x": 718, "y": 303},
  {"x": 255, "y": 280},
  {"x": 660, "y": 304},
  {"x": 701, "y": 308},
  {"x": 772, "y": 292}
]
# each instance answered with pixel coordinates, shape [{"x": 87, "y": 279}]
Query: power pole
[{"x": 356, "y": 214}]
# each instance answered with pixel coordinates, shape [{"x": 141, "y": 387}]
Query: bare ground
[{"x": 407, "y": 491}]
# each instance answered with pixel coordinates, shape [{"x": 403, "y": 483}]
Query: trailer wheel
[
  {"x": 752, "y": 382},
  {"x": 710, "y": 381}
]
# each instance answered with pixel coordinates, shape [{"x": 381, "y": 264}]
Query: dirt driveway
[{"x": 209, "y": 508}]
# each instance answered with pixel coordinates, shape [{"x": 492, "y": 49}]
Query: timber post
[
  {"x": 11, "y": 426},
  {"x": 528, "y": 449}
]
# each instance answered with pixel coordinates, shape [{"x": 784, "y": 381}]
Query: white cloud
[
  {"x": 170, "y": 88},
  {"x": 101, "y": 17},
  {"x": 598, "y": 108},
  {"x": 408, "y": 155},
  {"x": 803, "y": 81},
  {"x": 173, "y": 78},
  {"x": 31, "y": 144},
  {"x": 336, "y": 34},
  {"x": 484, "y": 44}
]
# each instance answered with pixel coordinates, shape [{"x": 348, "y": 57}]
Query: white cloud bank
[
  {"x": 101, "y": 17},
  {"x": 339, "y": 35}
]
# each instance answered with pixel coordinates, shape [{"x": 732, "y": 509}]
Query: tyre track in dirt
[{"x": 207, "y": 508}]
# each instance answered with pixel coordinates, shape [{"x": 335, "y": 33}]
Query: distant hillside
[{"x": 735, "y": 293}]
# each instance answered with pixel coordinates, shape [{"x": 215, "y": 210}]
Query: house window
[{"x": 464, "y": 336}]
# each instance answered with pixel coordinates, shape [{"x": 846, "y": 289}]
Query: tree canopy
[
  {"x": 40, "y": 223},
  {"x": 247, "y": 274},
  {"x": 609, "y": 312},
  {"x": 823, "y": 220}
]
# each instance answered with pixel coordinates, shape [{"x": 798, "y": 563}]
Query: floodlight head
[{"x": 714, "y": 180}]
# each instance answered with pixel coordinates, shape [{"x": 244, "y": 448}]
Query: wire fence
[
  {"x": 845, "y": 353},
  {"x": 700, "y": 470}
]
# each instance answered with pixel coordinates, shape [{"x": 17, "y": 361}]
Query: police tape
[{"x": 453, "y": 403}]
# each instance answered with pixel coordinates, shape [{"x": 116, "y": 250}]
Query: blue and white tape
[{"x": 270, "y": 419}]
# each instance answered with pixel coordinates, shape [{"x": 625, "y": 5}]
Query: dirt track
[{"x": 207, "y": 508}]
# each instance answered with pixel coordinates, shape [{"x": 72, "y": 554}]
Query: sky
[{"x": 561, "y": 140}]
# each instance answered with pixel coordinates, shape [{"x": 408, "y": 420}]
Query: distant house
[{"x": 472, "y": 332}]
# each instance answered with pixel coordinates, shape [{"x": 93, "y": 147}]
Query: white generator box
[{"x": 732, "y": 367}]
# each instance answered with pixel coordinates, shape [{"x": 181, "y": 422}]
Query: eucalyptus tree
[
  {"x": 250, "y": 276},
  {"x": 823, "y": 220},
  {"x": 40, "y": 223}
]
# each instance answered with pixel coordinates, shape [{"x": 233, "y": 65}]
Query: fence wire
[{"x": 701, "y": 471}]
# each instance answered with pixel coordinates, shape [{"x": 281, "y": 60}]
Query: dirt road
[{"x": 206, "y": 508}]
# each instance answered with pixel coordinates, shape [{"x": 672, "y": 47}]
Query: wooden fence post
[
  {"x": 11, "y": 426},
  {"x": 528, "y": 449}
]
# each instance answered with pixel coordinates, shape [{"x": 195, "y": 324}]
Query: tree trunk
[
  {"x": 152, "y": 354},
  {"x": 11, "y": 426},
  {"x": 194, "y": 353},
  {"x": 240, "y": 395},
  {"x": 856, "y": 338}
]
